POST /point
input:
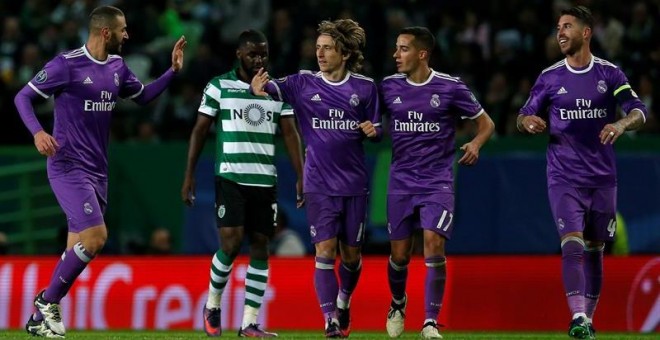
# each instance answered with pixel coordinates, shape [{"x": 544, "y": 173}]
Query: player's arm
[
  {"x": 527, "y": 120},
  {"x": 372, "y": 127},
  {"x": 485, "y": 129},
  {"x": 51, "y": 79},
  {"x": 293, "y": 147},
  {"x": 207, "y": 113},
  {"x": 45, "y": 143},
  {"x": 195, "y": 147},
  {"x": 282, "y": 89},
  {"x": 635, "y": 109}
]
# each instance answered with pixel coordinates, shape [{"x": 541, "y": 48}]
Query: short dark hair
[
  {"x": 103, "y": 16},
  {"x": 424, "y": 39},
  {"x": 581, "y": 13},
  {"x": 251, "y": 36}
]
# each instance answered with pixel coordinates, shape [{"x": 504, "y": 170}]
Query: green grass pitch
[{"x": 174, "y": 335}]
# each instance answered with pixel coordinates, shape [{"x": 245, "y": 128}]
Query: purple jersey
[
  {"x": 86, "y": 91},
  {"x": 422, "y": 125},
  {"x": 328, "y": 114},
  {"x": 581, "y": 103}
]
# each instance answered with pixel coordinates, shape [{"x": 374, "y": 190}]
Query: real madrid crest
[
  {"x": 601, "y": 87},
  {"x": 355, "y": 100},
  {"x": 435, "y": 100},
  {"x": 116, "y": 79}
]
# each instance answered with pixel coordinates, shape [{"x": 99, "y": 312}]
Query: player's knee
[
  {"x": 434, "y": 243},
  {"x": 95, "y": 244},
  {"x": 352, "y": 266},
  {"x": 259, "y": 253},
  {"x": 594, "y": 246},
  {"x": 399, "y": 260},
  {"x": 572, "y": 246}
]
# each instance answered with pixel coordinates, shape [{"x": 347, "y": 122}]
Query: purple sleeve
[
  {"x": 51, "y": 79},
  {"x": 23, "y": 102},
  {"x": 280, "y": 89},
  {"x": 537, "y": 98},
  {"x": 372, "y": 108},
  {"x": 153, "y": 89},
  {"x": 465, "y": 103},
  {"x": 625, "y": 95}
]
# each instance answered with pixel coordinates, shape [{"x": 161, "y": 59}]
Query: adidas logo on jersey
[
  {"x": 562, "y": 90},
  {"x": 316, "y": 98},
  {"x": 88, "y": 80},
  {"x": 397, "y": 100}
]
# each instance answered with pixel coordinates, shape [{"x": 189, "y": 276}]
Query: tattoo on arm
[{"x": 633, "y": 121}]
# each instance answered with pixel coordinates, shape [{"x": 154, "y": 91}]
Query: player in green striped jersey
[{"x": 245, "y": 176}]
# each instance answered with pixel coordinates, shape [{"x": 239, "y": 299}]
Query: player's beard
[
  {"x": 114, "y": 45},
  {"x": 573, "y": 47}
]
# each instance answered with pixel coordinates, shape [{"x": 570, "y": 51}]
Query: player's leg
[
  {"x": 83, "y": 202},
  {"x": 436, "y": 214},
  {"x": 260, "y": 226},
  {"x": 400, "y": 226},
  {"x": 600, "y": 228},
  {"x": 230, "y": 207},
  {"x": 323, "y": 217},
  {"x": 72, "y": 239},
  {"x": 351, "y": 239},
  {"x": 568, "y": 210}
]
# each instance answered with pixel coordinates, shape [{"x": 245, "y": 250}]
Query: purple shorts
[
  {"x": 591, "y": 211},
  {"x": 82, "y": 198},
  {"x": 434, "y": 212},
  {"x": 343, "y": 217}
]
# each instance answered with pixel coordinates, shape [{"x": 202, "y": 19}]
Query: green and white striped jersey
[{"x": 246, "y": 127}]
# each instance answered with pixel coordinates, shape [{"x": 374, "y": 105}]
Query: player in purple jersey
[
  {"x": 424, "y": 105},
  {"x": 86, "y": 83},
  {"x": 581, "y": 93},
  {"x": 336, "y": 110}
]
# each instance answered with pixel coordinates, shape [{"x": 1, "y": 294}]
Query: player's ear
[
  {"x": 423, "y": 54},
  {"x": 238, "y": 53}
]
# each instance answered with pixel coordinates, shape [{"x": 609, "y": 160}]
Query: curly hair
[{"x": 349, "y": 39}]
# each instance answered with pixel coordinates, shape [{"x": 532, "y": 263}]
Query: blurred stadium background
[{"x": 504, "y": 251}]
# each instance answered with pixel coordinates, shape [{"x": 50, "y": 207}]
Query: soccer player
[
  {"x": 86, "y": 83},
  {"x": 245, "y": 176},
  {"x": 424, "y": 105},
  {"x": 337, "y": 109},
  {"x": 581, "y": 93}
]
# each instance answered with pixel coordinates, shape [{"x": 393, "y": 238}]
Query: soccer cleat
[
  {"x": 395, "y": 319},
  {"x": 332, "y": 329},
  {"x": 579, "y": 328},
  {"x": 592, "y": 331},
  {"x": 52, "y": 314},
  {"x": 430, "y": 330},
  {"x": 212, "y": 324},
  {"x": 254, "y": 331},
  {"x": 344, "y": 317},
  {"x": 38, "y": 328}
]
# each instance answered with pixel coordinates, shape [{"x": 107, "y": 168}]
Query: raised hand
[
  {"x": 177, "y": 54},
  {"x": 45, "y": 143},
  {"x": 258, "y": 82}
]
